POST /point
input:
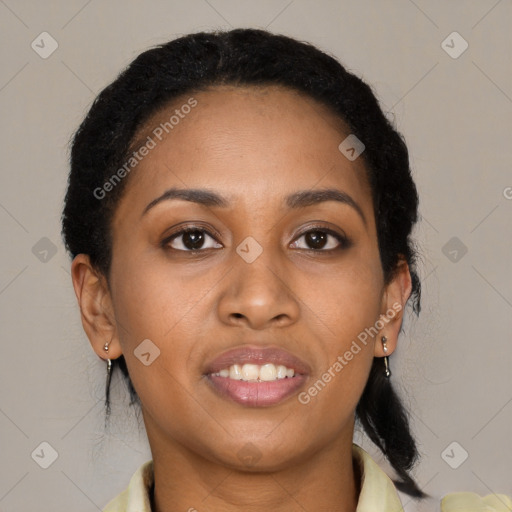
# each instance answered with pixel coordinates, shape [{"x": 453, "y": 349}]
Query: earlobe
[{"x": 96, "y": 310}]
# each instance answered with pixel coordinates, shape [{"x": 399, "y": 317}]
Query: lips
[
  {"x": 257, "y": 355},
  {"x": 255, "y": 393}
]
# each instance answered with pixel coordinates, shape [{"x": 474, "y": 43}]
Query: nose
[{"x": 259, "y": 294}]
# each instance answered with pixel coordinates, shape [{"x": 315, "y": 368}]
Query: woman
[{"x": 239, "y": 212}]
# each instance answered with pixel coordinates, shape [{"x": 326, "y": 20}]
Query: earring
[
  {"x": 109, "y": 362},
  {"x": 109, "y": 374},
  {"x": 387, "y": 371}
]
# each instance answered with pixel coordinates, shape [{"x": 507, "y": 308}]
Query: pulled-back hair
[{"x": 252, "y": 57}]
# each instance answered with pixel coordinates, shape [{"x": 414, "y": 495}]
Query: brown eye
[
  {"x": 316, "y": 239},
  {"x": 191, "y": 239},
  {"x": 322, "y": 240}
]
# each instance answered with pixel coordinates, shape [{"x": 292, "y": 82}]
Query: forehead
[{"x": 245, "y": 141}]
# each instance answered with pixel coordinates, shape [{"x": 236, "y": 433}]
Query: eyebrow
[{"x": 297, "y": 200}]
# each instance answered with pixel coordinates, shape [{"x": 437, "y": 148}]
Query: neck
[{"x": 329, "y": 480}]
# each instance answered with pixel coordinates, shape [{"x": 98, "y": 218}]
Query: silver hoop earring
[{"x": 387, "y": 371}]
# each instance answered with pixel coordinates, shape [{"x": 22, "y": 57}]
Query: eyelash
[{"x": 343, "y": 240}]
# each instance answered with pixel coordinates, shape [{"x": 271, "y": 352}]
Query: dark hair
[{"x": 258, "y": 58}]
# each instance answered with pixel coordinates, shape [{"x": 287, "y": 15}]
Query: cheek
[
  {"x": 164, "y": 303},
  {"x": 153, "y": 296},
  {"x": 157, "y": 302},
  {"x": 344, "y": 300},
  {"x": 344, "y": 306}
]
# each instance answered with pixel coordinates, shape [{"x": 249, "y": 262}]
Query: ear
[
  {"x": 393, "y": 304},
  {"x": 94, "y": 299}
]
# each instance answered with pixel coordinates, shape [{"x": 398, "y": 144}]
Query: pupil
[
  {"x": 316, "y": 239},
  {"x": 196, "y": 239}
]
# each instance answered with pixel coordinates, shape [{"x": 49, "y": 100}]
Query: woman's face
[{"x": 282, "y": 276}]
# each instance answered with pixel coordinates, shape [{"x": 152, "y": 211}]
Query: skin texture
[{"x": 254, "y": 146}]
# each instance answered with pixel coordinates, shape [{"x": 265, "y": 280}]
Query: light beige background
[{"x": 456, "y": 114}]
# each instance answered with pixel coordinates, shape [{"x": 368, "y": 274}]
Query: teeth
[
  {"x": 253, "y": 372},
  {"x": 235, "y": 372},
  {"x": 268, "y": 372},
  {"x": 281, "y": 371},
  {"x": 250, "y": 372}
]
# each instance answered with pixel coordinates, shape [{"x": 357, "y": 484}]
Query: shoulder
[
  {"x": 136, "y": 497},
  {"x": 379, "y": 493},
  {"x": 377, "y": 490},
  {"x": 472, "y": 502}
]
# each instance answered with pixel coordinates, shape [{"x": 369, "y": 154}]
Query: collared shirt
[{"x": 377, "y": 494}]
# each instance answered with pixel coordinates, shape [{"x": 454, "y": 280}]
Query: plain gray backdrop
[{"x": 452, "y": 103}]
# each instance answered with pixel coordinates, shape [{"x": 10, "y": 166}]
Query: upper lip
[{"x": 254, "y": 354}]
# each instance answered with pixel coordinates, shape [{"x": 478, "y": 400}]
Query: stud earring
[{"x": 387, "y": 371}]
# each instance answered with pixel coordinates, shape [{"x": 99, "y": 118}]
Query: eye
[
  {"x": 323, "y": 239},
  {"x": 190, "y": 239},
  {"x": 196, "y": 239}
]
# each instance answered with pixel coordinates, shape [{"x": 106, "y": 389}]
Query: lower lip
[{"x": 256, "y": 394}]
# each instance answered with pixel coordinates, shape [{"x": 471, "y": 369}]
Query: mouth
[{"x": 256, "y": 376}]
